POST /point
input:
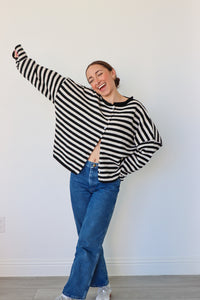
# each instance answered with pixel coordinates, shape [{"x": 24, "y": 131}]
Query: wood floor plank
[
  {"x": 17, "y": 294},
  {"x": 124, "y": 288}
]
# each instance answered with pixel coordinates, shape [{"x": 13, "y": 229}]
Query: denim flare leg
[{"x": 93, "y": 203}]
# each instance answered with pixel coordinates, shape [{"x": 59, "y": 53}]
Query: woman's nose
[{"x": 97, "y": 80}]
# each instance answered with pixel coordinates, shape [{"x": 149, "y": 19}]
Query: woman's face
[{"x": 101, "y": 80}]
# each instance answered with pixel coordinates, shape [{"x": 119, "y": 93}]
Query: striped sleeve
[
  {"x": 45, "y": 80},
  {"x": 147, "y": 141}
]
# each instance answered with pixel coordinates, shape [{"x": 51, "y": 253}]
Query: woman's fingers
[{"x": 15, "y": 54}]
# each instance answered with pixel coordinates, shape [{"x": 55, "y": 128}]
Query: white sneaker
[
  {"x": 63, "y": 297},
  {"x": 104, "y": 293}
]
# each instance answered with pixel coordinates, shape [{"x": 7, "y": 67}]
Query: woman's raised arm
[{"x": 45, "y": 80}]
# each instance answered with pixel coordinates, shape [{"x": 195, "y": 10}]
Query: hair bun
[{"x": 117, "y": 81}]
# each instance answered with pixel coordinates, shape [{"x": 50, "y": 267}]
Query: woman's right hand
[{"x": 15, "y": 54}]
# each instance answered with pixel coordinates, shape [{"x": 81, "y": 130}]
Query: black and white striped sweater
[{"x": 128, "y": 136}]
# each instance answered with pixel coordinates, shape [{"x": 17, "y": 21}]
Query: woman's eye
[{"x": 99, "y": 74}]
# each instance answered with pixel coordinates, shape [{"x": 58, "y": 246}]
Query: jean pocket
[{"x": 114, "y": 185}]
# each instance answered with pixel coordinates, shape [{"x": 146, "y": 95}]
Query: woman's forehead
[{"x": 94, "y": 69}]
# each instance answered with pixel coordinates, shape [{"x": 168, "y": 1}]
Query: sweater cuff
[{"x": 21, "y": 53}]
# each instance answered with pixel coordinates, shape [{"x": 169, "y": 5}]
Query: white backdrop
[{"x": 155, "y": 47}]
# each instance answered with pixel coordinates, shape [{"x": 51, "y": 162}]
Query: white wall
[{"x": 154, "y": 46}]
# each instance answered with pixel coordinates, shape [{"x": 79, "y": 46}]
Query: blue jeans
[{"x": 93, "y": 203}]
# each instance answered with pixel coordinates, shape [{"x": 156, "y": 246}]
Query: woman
[{"x": 101, "y": 137}]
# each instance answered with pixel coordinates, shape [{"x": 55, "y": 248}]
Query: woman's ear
[{"x": 113, "y": 73}]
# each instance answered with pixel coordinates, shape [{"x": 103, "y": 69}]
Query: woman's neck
[{"x": 115, "y": 97}]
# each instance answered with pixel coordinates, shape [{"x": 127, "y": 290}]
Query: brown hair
[{"x": 107, "y": 66}]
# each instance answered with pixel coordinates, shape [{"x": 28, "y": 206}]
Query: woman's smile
[{"x": 102, "y": 86}]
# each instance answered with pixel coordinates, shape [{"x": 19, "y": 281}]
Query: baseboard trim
[{"x": 116, "y": 267}]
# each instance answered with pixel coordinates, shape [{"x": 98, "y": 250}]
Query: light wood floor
[{"x": 124, "y": 288}]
